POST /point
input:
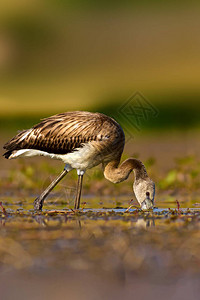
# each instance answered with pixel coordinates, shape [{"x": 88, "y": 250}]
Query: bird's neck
[{"x": 117, "y": 173}]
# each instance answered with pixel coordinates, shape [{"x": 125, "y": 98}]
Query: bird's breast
[{"x": 82, "y": 158}]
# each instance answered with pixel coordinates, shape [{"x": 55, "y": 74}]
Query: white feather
[{"x": 80, "y": 159}]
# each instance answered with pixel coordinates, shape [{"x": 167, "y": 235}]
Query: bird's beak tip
[{"x": 147, "y": 204}]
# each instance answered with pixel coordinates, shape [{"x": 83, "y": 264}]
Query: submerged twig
[
  {"x": 58, "y": 212},
  {"x": 127, "y": 210},
  {"x": 3, "y": 209},
  {"x": 178, "y": 206}
]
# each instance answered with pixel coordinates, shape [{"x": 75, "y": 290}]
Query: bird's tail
[
  {"x": 7, "y": 154},
  {"x": 14, "y": 144}
]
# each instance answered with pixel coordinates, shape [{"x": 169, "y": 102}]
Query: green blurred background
[
  {"x": 92, "y": 55},
  {"x": 60, "y": 55}
]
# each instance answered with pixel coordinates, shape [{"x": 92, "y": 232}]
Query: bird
[{"x": 82, "y": 140}]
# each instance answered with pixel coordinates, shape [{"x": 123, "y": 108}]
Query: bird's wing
[{"x": 61, "y": 134}]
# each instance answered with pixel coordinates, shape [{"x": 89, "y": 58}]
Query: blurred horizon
[{"x": 70, "y": 55}]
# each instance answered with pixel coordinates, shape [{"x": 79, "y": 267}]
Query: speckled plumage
[{"x": 64, "y": 133}]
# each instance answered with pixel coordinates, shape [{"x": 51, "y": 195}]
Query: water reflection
[
  {"x": 144, "y": 223},
  {"x": 56, "y": 219}
]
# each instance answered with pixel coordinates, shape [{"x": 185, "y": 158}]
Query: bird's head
[{"x": 144, "y": 190}]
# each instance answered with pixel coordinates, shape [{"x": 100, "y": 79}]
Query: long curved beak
[{"x": 147, "y": 204}]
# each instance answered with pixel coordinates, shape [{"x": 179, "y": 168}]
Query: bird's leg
[
  {"x": 78, "y": 192},
  {"x": 38, "y": 203}
]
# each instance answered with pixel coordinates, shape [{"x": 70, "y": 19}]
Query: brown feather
[{"x": 65, "y": 132}]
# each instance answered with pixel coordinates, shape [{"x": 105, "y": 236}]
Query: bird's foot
[{"x": 38, "y": 204}]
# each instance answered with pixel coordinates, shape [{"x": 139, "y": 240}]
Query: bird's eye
[{"x": 147, "y": 194}]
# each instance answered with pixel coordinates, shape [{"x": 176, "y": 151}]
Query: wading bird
[{"x": 82, "y": 140}]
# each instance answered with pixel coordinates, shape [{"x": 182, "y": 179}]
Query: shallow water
[
  {"x": 96, "y": 253},
  {"x": 60, "y": 201}
]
